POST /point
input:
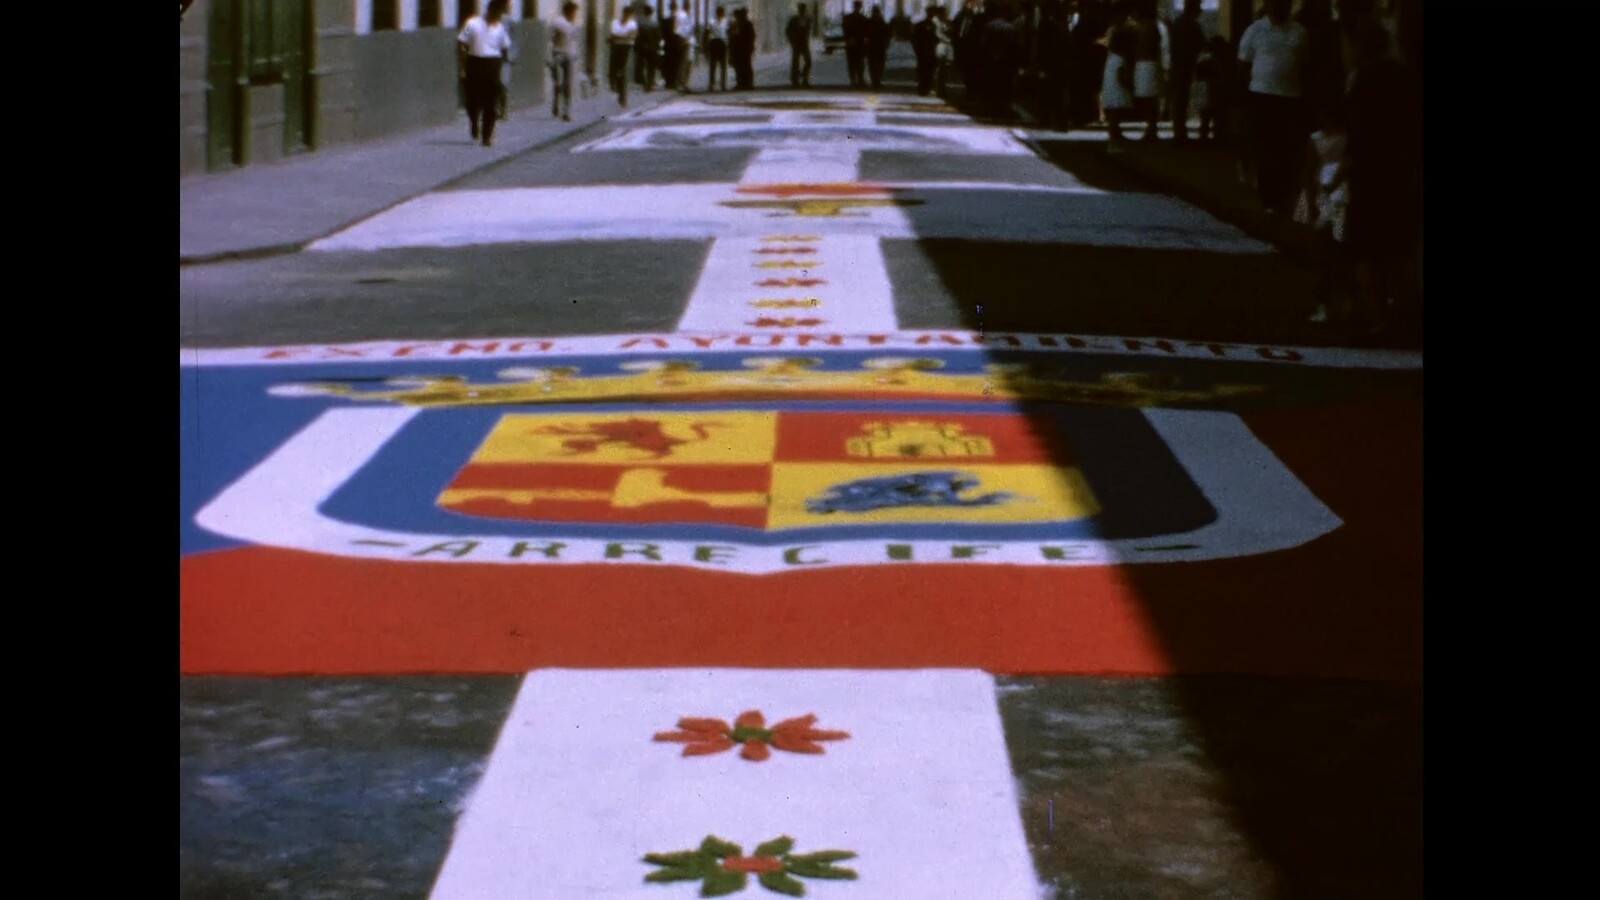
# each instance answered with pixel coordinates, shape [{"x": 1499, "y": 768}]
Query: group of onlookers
[
  {"x": 1315, "y": 98},
  {"x": 663, "y": 51}
]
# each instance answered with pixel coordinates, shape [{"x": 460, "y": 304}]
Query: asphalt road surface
[{"x": 841, "y": 386}]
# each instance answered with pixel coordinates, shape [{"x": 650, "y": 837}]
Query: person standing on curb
[
  {"x": 742, "y": 47},
  {"x": 717, "y": 50},
  {"x": 798, "y": 33},
  {"x": 563, "y": 40},
  {"x": 1275, "y": 50},
  {"x": 482, "y": 48},
  {"x": 624, "y": 32}
]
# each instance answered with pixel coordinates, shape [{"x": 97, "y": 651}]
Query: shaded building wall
[{"x": 192, "y": 89}]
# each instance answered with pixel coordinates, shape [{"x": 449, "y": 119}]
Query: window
[
  {"x": 428, "y": 14},
  {"x": 263, "y": 42},
  {"x": 465, "y": 9},
  {"x": 385, "y": 15},
  {"x": 530, "y": 9}
]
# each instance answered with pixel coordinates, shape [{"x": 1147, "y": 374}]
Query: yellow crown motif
[{"x": 765, "y": 378}]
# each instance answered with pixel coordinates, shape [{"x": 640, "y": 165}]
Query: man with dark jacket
[
  {"x": 878, "y": 38},
  {"x": 742, "y": 49},
  {"x": 798, "y": 33},
  {"x": 1187, "y": 40},
  {"x": 1000, "y": 44},
  {"x": 925, "y": 43},
  {"x": 855, "y": 45}
]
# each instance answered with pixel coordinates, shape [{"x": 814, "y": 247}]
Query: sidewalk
[{"x": 280, "y": 207}]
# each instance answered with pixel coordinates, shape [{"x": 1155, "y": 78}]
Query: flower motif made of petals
[
  {"x": 722, "y": 868},
  {"x": 701, "y": 736}
]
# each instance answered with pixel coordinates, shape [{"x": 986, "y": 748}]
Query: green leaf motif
[
  {"x": 719, "y": 848},
  {"x": 818, "y": 870},
  {"x": 681, "y": 858},
  {"x": 823, "y": 856},
  {"x": 664, "y": 875},
  {"x": 723, "y": 882},
  {"x": 776, "y": 847},
  {"x": 783, "y": 884}
]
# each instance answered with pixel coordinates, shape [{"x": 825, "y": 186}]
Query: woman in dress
[{"x": 1117, "y": 82}]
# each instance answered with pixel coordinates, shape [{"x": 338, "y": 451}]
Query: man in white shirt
[
  {"x": 624, "y": 31},
  {"x": 482, "y": 47},
  {"x": 717, "y": 49},
  {"x": 683, "y": 29},
  {"x": 1275, "y": 51},
  {"x": 563, "y": 43}
]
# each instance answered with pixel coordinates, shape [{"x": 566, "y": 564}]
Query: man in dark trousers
[
  {"x": 798, "y": 33},
  {"x": 1187, "y": 39},
  {"x": 742, "y": 47},
  {"x": 647, "y": 49},
  {"x": 1000, "y": 44},
  {"x": 878, "y": 38},
  {"x": 855, "y": 45},
  {"x": 671, "y": 47},
  {"x": 925, "y": 43}
]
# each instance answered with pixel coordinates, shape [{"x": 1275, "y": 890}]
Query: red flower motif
[{"x": 701, "y": 736}]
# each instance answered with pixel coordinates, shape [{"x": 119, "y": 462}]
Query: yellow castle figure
[{"x": 917, "y": 440}]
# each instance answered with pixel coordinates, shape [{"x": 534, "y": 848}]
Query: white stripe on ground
[
  {"x": 1260, "y": 506},
  {"x": 749, "y": 342},
  {"x": 1030, "y": 213},
  {"x": 576, "y": 792}
]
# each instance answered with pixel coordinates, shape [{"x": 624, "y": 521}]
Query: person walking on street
[
  {"x": 798, "y": 33},
  {"x": 481, "y": 48},
  {"x": 742, "y": 47},
  {"x": 624, "y": 32},
  {"x": 717, "y": 50},
  {"x": 1188, "y": 40},
  {"x": 647, "y": 49},
  {"x": 855, "y": 45},
  {"x": 563, "y": 41},
  {"x": 878, "y": 38}
]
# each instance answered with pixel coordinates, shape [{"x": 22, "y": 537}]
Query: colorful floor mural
[{"x": 759, "y": 575}]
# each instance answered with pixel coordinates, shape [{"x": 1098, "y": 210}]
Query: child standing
[
  {"x": 1324, "y": 197},
  {"x": 1214, "y": 78}
]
